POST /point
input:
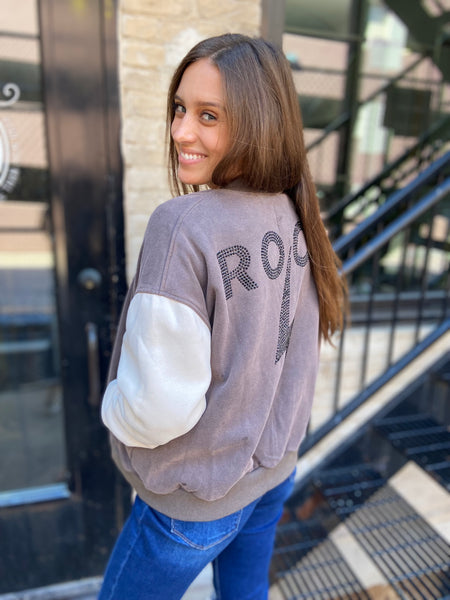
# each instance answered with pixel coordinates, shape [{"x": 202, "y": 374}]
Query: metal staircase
[
  {"x": 369, "y": 516},
  {"x": 397, "y": 265},
  {"x": 427, "y": 28},
  {"x": 386, "y": 122},
  {"x": 353, "y": 208},
  {"x": 352, "y": 530}
]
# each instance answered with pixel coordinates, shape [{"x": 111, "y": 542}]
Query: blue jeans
[{"x": 157, "y": 558}]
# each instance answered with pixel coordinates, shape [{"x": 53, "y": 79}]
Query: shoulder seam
[{"x": 142, "y": 289}]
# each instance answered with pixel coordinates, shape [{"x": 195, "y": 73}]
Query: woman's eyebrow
[{"x": 199, "y": 102}]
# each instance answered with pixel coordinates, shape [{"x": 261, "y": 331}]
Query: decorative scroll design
[{"x": 12, "y": 92}]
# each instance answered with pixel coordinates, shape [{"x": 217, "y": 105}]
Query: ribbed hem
[{"x": 187, "y": 507}]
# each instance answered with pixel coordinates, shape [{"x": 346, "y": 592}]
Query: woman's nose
[{"x": 183, "y": 129}]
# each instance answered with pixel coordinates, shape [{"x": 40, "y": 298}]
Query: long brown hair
[{"x": 267, "y": 148}]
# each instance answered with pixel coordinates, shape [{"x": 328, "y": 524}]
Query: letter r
[{"x": 239, "y": 272}]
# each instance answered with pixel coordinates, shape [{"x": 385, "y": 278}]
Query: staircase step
[
  {"x": 369, "y": 575},
  {"x": 373, "y": 515},
  {"x": 311, "y": 570},
  {"x": 419, "y": 436},
  {"x": 384, "y": 547},
  {"x": 406, "y": 549},
  {"x": 425, "y": 495}
]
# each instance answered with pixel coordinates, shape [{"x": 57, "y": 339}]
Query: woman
[{"x": 213, "y": 371}]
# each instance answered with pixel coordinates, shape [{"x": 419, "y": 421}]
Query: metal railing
[
  {"x": 392, "y": 118},
  {"x": 397, "y": 203},
  {"x": 389, "y": 119},
  {"x": 397, "y": 266},
  {"x": 343, "y": 118},
  {"x": 348, "y": 212}
]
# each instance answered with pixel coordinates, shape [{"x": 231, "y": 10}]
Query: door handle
[
  {"x": 89, "y": 279},
  {"x": 93, "y": 362}
]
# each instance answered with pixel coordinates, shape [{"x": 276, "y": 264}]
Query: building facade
[{"x": 83, "y": 88}]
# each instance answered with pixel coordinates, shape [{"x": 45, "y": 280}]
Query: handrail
[
  {"x": 423, "y": 140},
  {"x": 372, "y": 188},
  {"x": 345, "y": 242},
  {"x": 397, "y": 268},
  {"x": 339, "y": 416},
  {"x": 406, "y": 219}
]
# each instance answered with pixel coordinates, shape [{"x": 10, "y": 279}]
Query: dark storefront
[{"x": 61, "y": 285}]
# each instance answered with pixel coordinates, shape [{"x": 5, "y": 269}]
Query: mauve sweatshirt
[{"x": 214, "y": 366}]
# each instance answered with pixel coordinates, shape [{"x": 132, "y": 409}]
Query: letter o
[{"x": 273, "y": 237}]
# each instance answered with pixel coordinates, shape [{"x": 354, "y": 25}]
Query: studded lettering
[
  {"x": 301, "y": 261},
  {"x": 285, "y": 328},
  {"x": 239, "y": 273},
  {"x": 272, "y": 237}
]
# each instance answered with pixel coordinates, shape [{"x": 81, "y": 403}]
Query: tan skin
[{"x": 199, "y": 128}]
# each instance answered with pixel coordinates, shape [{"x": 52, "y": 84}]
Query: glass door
[
  {"x": 61, "y": 286},
  {"x": 32, "y": 449}
]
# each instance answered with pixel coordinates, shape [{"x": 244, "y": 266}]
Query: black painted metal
[
  {"x": 412, "y": 112},
  {"x": 307, "y": 565},
  {"x": 352, "y": 488},
  {"x": 374, "y": 193},
  {"x": 47, "y": 542},
  {"x": 357, "y": 21},
  {"x": 352, "y": 482},
  {"x": 342, "y": 119},
  {"x": 409, "y": 295},
  {"x": 391, "y": 229},
  {"x": 396, "y": 203},
  {"x": 428, "y": 30},
  {"x": 419, "y": 436},
  {"x": 340, "y": 415},
  {"x": 409, "y": 552}
]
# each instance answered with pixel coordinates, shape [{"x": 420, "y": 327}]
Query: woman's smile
[{"x": 190, "y": 157}]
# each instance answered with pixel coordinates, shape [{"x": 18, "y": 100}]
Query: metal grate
[
  {"x": 421, "y": 439},
  {"x": 353, "y": 488},
  {"x": 410, "y": 554},
  {"x": 308, "y": 566}
]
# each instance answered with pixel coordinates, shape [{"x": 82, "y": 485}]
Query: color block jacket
[{"x": 213, "y": 371}]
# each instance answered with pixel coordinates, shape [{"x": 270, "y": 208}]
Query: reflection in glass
[{"x": 31, "y": 410}]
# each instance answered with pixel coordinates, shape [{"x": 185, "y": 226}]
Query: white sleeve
[{"x": 163, "y": 374}]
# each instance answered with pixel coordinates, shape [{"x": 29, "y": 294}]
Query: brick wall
[{"x": 153, "y": 37}]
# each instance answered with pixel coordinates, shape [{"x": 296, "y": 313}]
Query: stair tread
[
  {"x": 374, "y": 508},
  {"x": 427, "y": 497},
  {"x": 385, "y": 542}
]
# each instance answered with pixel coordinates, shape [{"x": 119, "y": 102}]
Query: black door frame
[{"x": 70, "y": 538}]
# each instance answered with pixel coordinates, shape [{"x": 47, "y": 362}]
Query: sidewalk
[{"x": 87, "y": 589}]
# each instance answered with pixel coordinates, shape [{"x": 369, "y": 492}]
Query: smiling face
[{"x": 199, "y": 128}]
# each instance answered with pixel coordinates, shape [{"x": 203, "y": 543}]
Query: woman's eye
[
  {"x": 208, "y": 116},
  {"x": 179, "y": 108}
]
